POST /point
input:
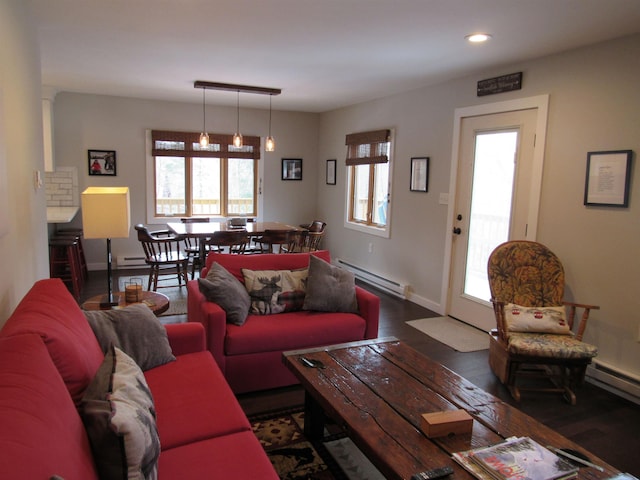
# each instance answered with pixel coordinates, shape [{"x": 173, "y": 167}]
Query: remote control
[{"x": 431, "y": 474}]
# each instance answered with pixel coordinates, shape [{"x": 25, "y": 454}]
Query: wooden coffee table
[
  {"x": 377, "y": 391},
  {"x": 157, "y": 302}
]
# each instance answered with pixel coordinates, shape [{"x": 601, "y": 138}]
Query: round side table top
[{"x": 157, "y": 302}]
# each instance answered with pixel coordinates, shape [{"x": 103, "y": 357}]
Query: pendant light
[
  {"x": 204, "y": 136},
  {"x": 270, "y": 143},
  {"x": 237, "y": 137}
]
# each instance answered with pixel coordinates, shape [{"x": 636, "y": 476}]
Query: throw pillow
[
  {"x": 329, "y": 288},
  {"x": 136, "y": 331},
  {"x": 275, "y": 291},
  {"x": 536, "y": 319},
  {"x": 119, "y": 416},
  {"x": 221, "y": 287}
]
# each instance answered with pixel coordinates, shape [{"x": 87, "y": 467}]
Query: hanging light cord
[
  {"x": 238, "y": 113},
  {"x": 270, "y": 114}
]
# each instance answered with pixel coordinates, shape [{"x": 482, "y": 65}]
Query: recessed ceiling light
[{"x": 478, "y": 37}]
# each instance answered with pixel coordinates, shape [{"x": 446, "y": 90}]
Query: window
[
  {"x": 368, "y": 178},
  {"x": 217, "y": 180}
]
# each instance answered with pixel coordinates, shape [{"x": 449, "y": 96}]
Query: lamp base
[{"x": 109, "y": 301}]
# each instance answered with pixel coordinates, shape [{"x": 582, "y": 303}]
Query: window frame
[
  {"x": 372, "y": 139},
  {"x": 221, "y": 147}
]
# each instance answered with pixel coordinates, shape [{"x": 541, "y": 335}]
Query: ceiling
[{"x": 323, "y": 54}]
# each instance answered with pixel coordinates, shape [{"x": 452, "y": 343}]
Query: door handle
[{"x": 457, "y": 231}]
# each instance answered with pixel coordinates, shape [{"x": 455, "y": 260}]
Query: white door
[{"x": 493, "y": 204}]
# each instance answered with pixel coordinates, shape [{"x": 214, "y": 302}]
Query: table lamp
[{"x": 106, "y": 214}]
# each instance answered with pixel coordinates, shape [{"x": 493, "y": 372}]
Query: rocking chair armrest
[
  {"x": 498, "y": 309},
  {"x": 585, "y": 316}
]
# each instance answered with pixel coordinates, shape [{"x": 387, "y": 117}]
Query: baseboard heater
[
  {"x": 390, "y": 286},
  {"x": 624, "y": 384},
  {"x": 130, "y": 261}
]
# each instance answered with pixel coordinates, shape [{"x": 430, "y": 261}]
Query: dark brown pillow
[
  {"x": 329, "y": 288},
  {"x": 226, "y": 290}
]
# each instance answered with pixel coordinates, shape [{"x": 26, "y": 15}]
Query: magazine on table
[{"x": 517, "y": 458}]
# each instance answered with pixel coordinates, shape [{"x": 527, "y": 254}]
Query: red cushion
[
  {"x": 264, "y": 261},
  {"x": 193, "y": 401},
  {"x": 292, "y": 331},
  {"x": 235, "y": 456},
  {"x": 42, "y": 434},
  {"x": 50, "y": 311}
]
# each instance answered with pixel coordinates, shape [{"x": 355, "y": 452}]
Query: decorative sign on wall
[{"x": 504, "y": 83}]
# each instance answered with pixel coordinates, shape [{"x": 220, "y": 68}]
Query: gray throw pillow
[
  {"x": 136, "y": 331},
  {"x": 329, "y": 288},
  {"x": 226, "y": 290}
]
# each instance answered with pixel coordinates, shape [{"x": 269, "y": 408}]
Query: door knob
[{"x": 457, "y": 231}]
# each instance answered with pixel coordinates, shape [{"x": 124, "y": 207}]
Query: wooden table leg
[{"x": 313, "y": 418}]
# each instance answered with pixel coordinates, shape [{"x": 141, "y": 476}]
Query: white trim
[{"x": 541, "y": 103}]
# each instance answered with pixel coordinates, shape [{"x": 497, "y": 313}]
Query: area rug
[
  {"x": 177, "y": 295},
  {"x": 335, "y": 457},
  {"x": 451, "y": 332}
]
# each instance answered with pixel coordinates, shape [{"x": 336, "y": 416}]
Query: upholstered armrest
[
  {"x": 186, "y": 338},
  {"x": 572, "y": 307},
  {"x": 369, "y": 308},
  {"x": 212, "y": 317}
]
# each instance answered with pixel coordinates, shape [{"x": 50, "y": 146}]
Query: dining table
[{"x": 204, "y": 230}]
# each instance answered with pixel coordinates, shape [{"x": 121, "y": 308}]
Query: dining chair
[
  {"x": 228, "y": 241},
  {"x": 163, "y": 253},
  {"x": 192, "y": 245},
  {"x": 276, "y": 241},
  {"x": 307, "y": 240},
  {"x": 534, "y": 336}
]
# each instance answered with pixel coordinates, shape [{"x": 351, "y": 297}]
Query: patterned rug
[{"x": 335, "y": 457}]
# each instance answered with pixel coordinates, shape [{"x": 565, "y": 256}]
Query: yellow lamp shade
[{"x": 106, "y": 212}]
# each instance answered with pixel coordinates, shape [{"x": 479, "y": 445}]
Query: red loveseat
[
  {"x": 48, "y": 356},
  {"x": 250, "y": 356}
]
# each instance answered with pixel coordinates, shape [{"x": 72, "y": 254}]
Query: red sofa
[
  {"x": 250, "y": 356},
  {"x": 48, "y": 356}
]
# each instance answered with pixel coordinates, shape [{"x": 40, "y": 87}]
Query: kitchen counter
[{"x": 61, "y": 214}]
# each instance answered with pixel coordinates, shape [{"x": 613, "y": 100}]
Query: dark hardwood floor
[{"x": 605, "y": 424}]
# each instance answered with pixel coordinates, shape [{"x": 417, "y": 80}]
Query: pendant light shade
[
  {"x": 270, "y": 143},
  {"x": 237, "y": 137},
  {"x": 204, "y": 136}
]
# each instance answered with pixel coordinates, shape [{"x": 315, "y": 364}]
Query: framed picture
[
  {"x": 291, "y": 169},
  {"x": 331, "y": 172},
  {"x": 608, "y": 178},
  {"x": 102, "y": 162},
  {"x": 419, "y": 174}
]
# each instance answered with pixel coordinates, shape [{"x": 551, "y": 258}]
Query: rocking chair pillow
[{"x": 536, "y": 319}]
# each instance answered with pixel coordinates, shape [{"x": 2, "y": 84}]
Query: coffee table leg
[{"x": 313, "y": 418}]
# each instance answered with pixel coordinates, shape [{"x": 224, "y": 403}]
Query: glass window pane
[
  {"x": 361, "y": 194},
  {"x": 170, "y": 186},
  {"x": 205, "y": 185},
  {"x": 490, "y": 215},
  {"x": 380, "y": 195},
  {"x": 240, "y": 186}
]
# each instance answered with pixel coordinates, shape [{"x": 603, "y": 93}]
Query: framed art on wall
[
  {"x": 331, "y": 172},
  {"x": 291, "y": 169},
  {"x": 102, "y": 162},
  {"x": 419, "y": 174},
  {"x": 608, "y": 178}
]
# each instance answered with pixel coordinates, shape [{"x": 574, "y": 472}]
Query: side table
[{"x": 157, "y": 302}]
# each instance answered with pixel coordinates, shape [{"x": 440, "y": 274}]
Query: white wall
[
  {"x": 23, "y": 249},
  {"x": 594, "y": 106},
  {"x": 84, "y": 122}
]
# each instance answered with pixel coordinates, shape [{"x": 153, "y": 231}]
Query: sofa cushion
[
  {"x": 38, "y": 417},
  {"x": 118, "y": 413},
  {"x": 234, "y": 456},
  {"x": 49, "y": 310},
  {"x": 136, "y": 331},
  {"x": 275, "y": 291},
  {"x": 263, "y": 261},
  {"x": 291, "y": 331},
  {"x": 330, "y": 288},
  {"x": 221, "y": 287},
  {"x": 193, "y": 400}
]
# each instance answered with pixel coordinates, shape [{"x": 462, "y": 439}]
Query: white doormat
[{"x": 451, "y": 332}]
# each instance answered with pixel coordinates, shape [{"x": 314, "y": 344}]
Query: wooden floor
[{"x": 601, "y": 422}]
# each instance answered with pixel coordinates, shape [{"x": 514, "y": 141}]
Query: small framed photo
[
  {"x": 291, "y": 169},
  {"x": 102, "y": 162},
  {"x": 419, "y": 174},
  {"x": 608, "y": 178},
  {"x": 331, "y": 172}
]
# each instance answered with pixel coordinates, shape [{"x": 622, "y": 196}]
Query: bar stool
[
  {"x": 64, "y": 263},
  {"x": 78, "y": 234}
]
